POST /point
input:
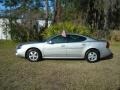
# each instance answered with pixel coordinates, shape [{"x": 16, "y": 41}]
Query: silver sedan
[{"x": 71, "y": 46}]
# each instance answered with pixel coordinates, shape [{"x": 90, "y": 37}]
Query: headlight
[{"x": 19, "y": 46}]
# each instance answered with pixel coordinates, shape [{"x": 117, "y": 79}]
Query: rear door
[{"x": 75, "y": 45}]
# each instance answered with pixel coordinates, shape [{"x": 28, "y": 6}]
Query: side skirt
[{"x": 63, "y": 58}]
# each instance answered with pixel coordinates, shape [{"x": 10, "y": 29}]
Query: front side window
[
  {"x": 75, "y": 38},
  {"x": 59, "y": 39}
]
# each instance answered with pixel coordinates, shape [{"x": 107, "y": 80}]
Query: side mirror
[{"x": 50, "y": 42}]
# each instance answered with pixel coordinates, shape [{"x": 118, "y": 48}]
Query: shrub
[
  {"x": 115, "y": 35},
  {"x": 101, "y": 34},
  {"x": 69, "y": 27}
]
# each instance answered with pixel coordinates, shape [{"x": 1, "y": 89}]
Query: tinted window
[
  {"x": 59, "y": 39},
  {"x": 75, "y": 38}
]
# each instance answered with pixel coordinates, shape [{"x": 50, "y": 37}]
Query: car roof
[
  {"x": 74, "y": 34},
  {"x": 88, "y": 37}
]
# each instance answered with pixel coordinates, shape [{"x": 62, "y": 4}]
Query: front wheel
[
  {"x": 92, "y": 56},
  {"x": 33, "y": 55}
]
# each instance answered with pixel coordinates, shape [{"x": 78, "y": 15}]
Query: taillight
[{"x": 108, "y": 45}]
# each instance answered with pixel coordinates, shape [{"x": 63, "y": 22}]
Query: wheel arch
[
  {"x": 90, "y": 50},
  {"x": 32, "y": 48}
]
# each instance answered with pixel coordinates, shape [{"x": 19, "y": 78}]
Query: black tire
[
  {"x": 92, "y": 56},
  {"x": 33, "y": 55}
]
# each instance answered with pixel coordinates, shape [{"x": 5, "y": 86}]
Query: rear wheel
[
  {"x": 33, "y": 55},
  {"x": 92, "y": 56}
]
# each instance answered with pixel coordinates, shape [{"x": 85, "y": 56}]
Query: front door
[{"x": 55, "y": 47}]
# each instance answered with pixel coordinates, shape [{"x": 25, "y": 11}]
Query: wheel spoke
[
  {"x": 31, "y": 53},
  {"x": 31, "y": 57},
  {"x": 35, "y": 52},
  {"x": 35, "y": 58}
]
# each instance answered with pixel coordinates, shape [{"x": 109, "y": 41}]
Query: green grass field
[{"x": 19, "y": 74}]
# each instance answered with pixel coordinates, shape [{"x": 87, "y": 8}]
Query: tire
[
  {"x": 92, "y": 56},
  {"x": 33, "y": 55}
]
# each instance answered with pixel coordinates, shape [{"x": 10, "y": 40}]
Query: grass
[{"x": 19, "y": 74}]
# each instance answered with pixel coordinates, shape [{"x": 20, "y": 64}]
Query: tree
[{"x": 27, "y": 13}]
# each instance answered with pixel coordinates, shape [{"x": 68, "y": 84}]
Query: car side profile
[{"x": 71, "y": 46}]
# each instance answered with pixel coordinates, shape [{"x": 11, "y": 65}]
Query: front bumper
[{"x": 20, "y": 52}]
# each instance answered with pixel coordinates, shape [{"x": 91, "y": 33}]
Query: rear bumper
[
  {"x": 110, "y": 56},
  {"x": 105, "y": 52}
]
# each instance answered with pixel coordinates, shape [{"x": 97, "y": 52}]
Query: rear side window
[{"x": 75, "y": 38}]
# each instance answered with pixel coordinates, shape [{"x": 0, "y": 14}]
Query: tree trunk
[
  {"x": 46, "y": 16},
  {"x": 57, "y": 11}
]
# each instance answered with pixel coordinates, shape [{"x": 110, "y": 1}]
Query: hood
[
  {"x": 32, "y": 42},
  {"x": 26, "y": 43}
]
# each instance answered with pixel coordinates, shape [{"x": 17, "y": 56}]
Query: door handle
[
  {"x": 62, "y": 45},
  {"x": 83, "y": 44}
]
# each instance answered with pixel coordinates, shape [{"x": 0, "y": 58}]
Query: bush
[
  {"x": 115, "y": 35},
  {"x": 101, "y": 34},
  {"x": 69, "y": 27}
]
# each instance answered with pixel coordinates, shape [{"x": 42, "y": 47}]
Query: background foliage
[
  {"x": 69, "y": 27},
  {"x": 100, "y": 16}
]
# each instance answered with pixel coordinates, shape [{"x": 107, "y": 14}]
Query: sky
[
  {"x": 1, "y": 5},
  {"x": 42, "y": 5}
]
